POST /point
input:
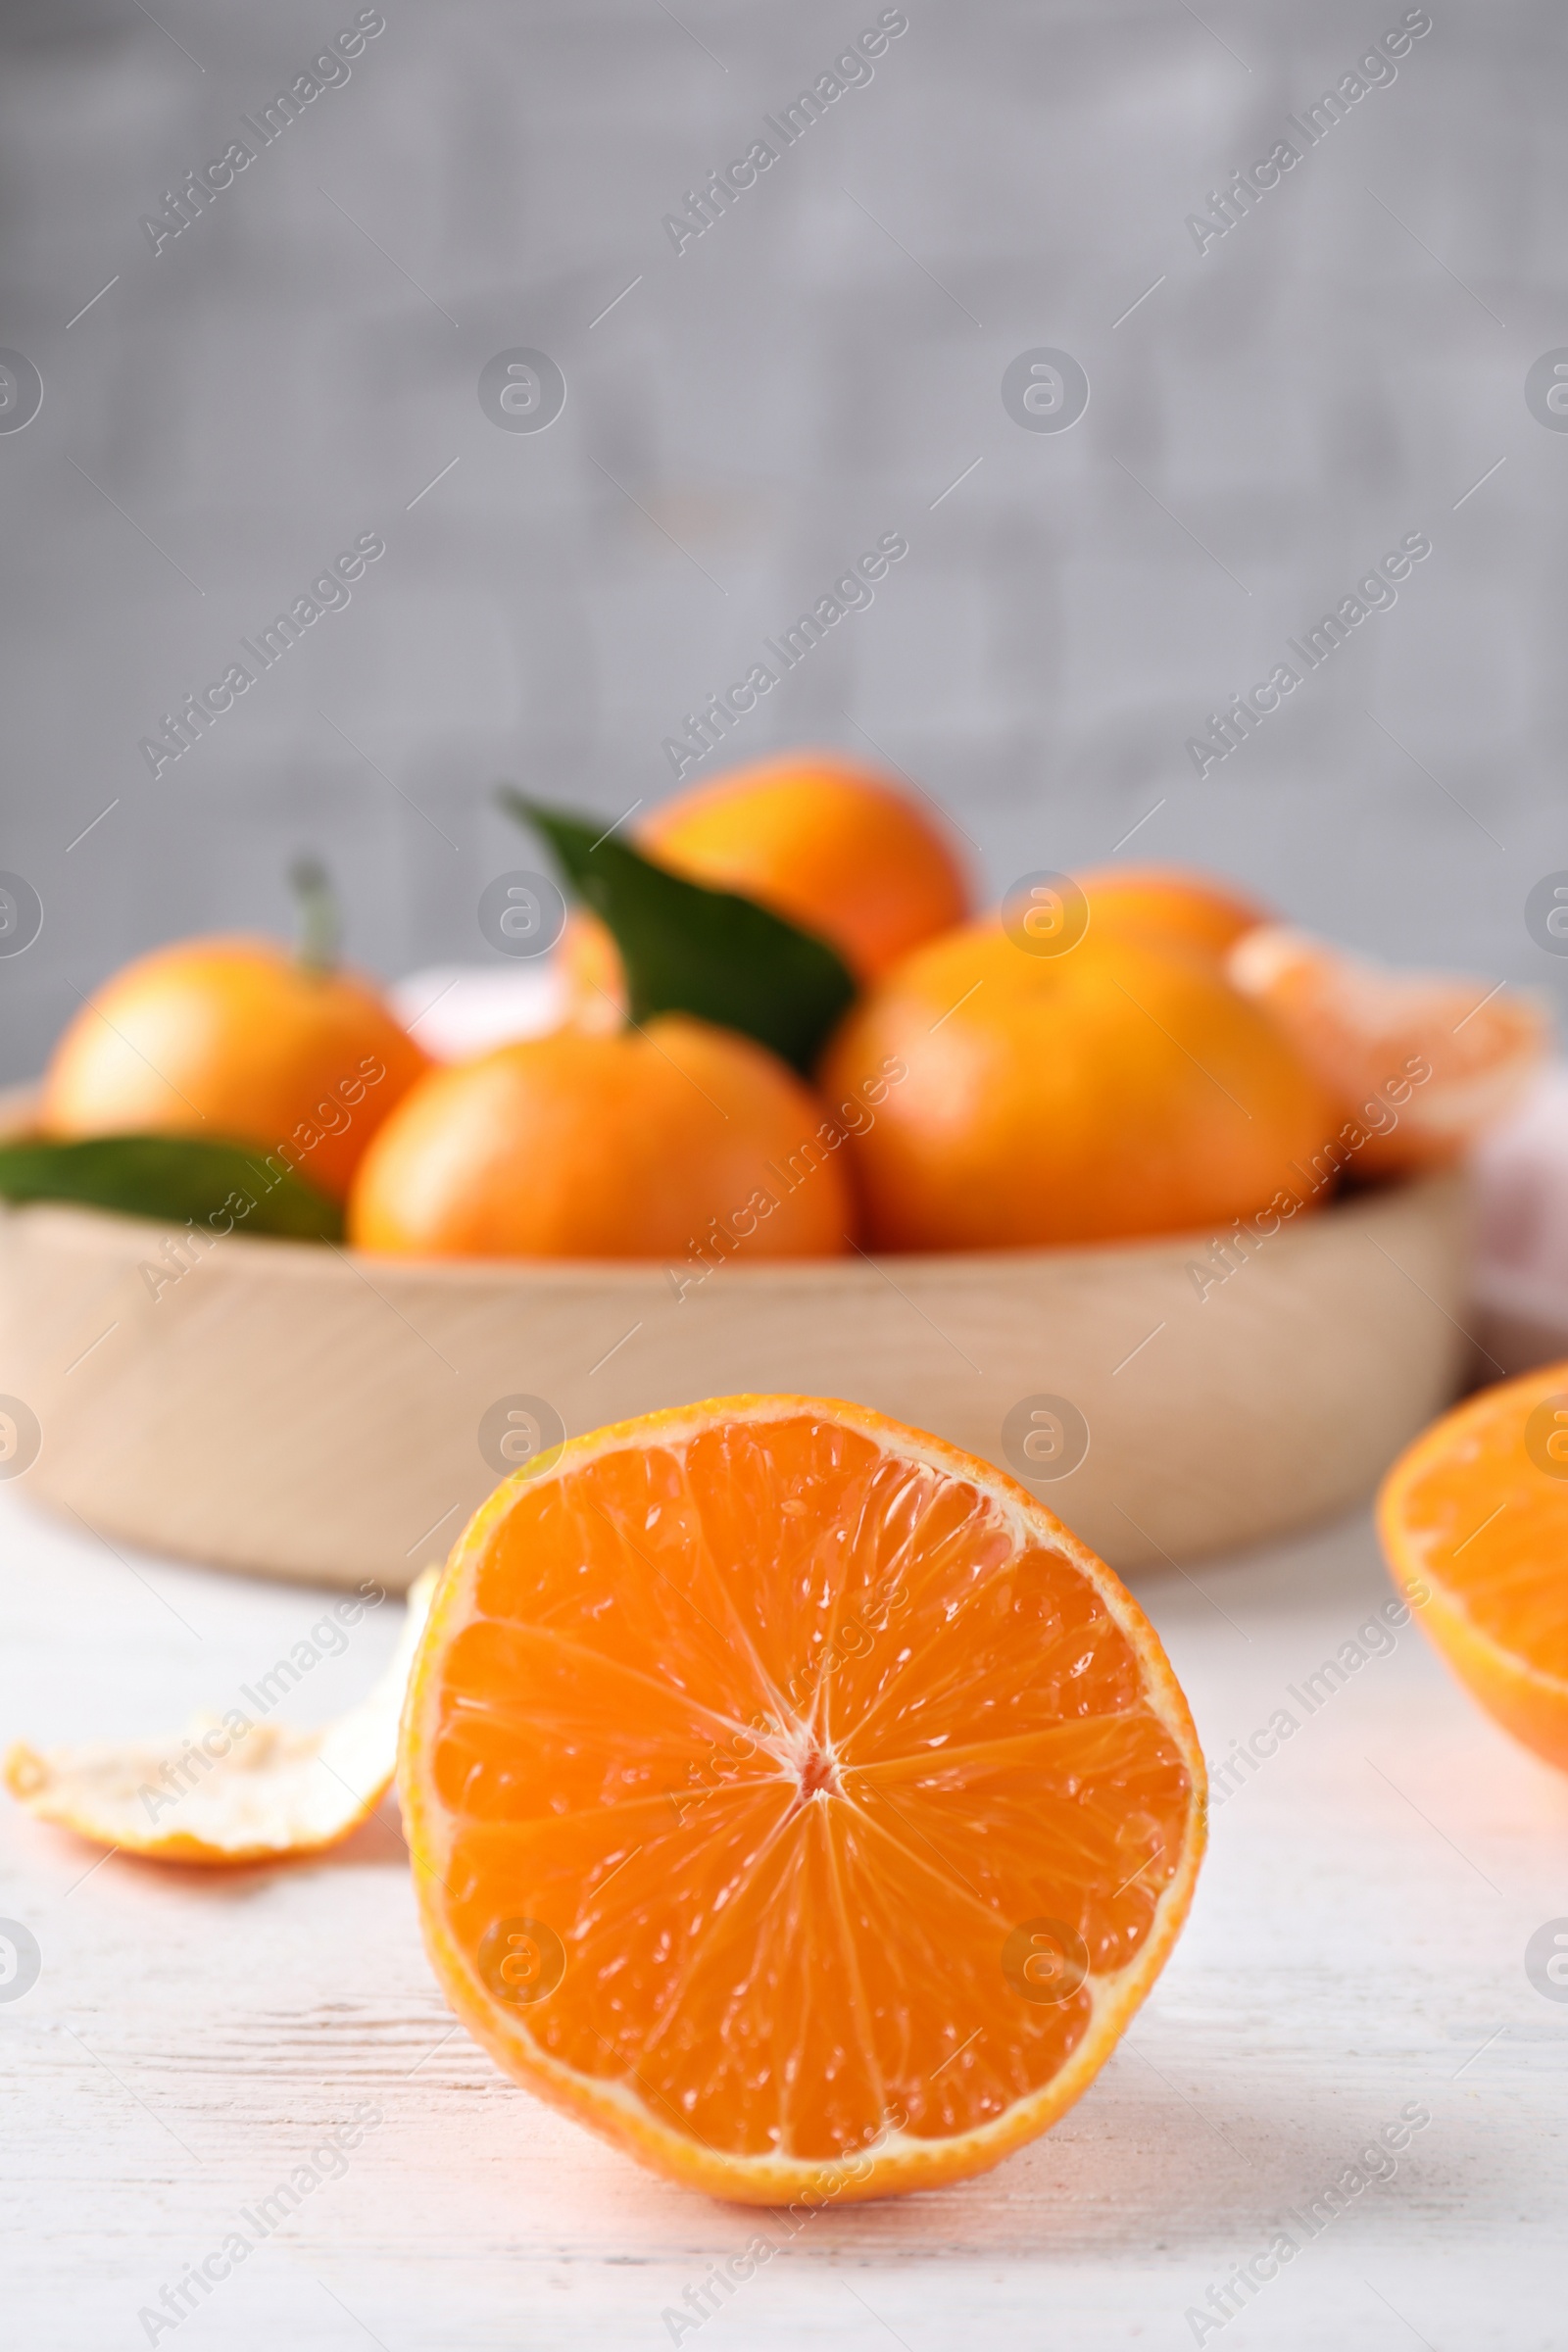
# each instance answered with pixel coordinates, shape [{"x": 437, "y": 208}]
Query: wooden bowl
[{"x": 310, "y": 1413}]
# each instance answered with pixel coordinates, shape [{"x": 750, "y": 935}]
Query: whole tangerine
[
  {"x": 234, "y": 1039},
  {"x": 1119, "y": 1089},
  {"x": 1170, "y": 901},
  {"x": 666, "y": 1141},
  {"x": 830, "y": 844}
]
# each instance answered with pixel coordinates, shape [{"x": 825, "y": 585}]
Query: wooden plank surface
[{"x": 1356, "y": 1949}]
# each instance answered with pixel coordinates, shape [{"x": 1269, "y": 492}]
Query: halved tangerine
[
  {"x": 792, "y": 1799},
  {"x": 1474, "y": 1522}
]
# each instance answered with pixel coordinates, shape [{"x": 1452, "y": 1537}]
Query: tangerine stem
[{"x": 320, "y": 929}]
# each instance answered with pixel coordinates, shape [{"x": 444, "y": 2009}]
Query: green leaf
[
  {"x": 688, "y": 949},
  {"x": 172, "y": 1178}
]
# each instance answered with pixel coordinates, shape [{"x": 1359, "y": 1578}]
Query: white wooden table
[{"x": 1358, "y": 1944}]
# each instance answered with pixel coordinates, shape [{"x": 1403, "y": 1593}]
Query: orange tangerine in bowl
[
  {"x": 630, "y": 1146},
  {"x": 1170, "y": 901},
  {"x": 236, "y": 1039},
  {"x": 825, "y": 840},
  {"x": 1115, "y": 1087}
]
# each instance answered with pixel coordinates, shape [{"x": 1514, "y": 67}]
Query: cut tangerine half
[
  {"x": 1474, "y": 1522},
  {"x": 1421, "y": 1061},
  {"x": 792, "y": 1799}
]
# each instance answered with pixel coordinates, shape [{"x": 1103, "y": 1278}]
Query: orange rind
[{"x": 265, "y": 1792}]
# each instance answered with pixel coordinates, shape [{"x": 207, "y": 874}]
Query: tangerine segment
[
  {"x": 1426, "y": 1059},
  {"x": 1474, "y": 1522},
  {"x": 793, "y": 1799}
]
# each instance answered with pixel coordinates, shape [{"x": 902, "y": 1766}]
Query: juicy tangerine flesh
[
  {"x": 1369, "y": 1034},
  {"x": 782, "y": 1719},
  {"x": 1475, "y": 1530}
]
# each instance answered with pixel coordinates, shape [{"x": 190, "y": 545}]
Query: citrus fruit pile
[
  {"x": 792, "y": 1799},
  {"x": 787, "y": 1035}
]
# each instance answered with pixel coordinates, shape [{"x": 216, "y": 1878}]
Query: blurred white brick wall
[{"x": 814, "y": 370}]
